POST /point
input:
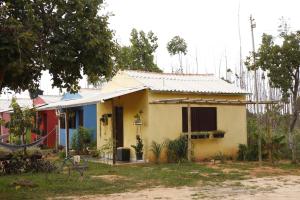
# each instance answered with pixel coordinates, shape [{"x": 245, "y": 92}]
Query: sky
[{"x": 210, "y": 28}]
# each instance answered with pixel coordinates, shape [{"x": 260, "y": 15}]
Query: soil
[{"x": 267, "y": 188}]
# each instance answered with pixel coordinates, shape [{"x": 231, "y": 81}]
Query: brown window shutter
[
  {"x": 202, "y": 119},
  {"x": 184, "y": 120}
]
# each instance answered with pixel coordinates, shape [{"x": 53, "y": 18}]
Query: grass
[{"x": 133, "y": 177}]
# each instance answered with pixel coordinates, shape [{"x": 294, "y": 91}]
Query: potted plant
[
  {"x": 218, "y": 134},
  {"x": 200, "y": 135},
  {"x": 138, "y": 148},
  {"x": 138, "y": 118}
]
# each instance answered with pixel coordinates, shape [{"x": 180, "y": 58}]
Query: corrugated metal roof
[
  {"x": 5, "y": 103},
  {"x": 205, "y": 83},
  {"x": 89, "y": 99},
  {"x": 50, "y": 98}
]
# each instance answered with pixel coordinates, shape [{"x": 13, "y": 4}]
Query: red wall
[
  {"x": 6, "y": 117},
  {"x": 48, "y": 122}
]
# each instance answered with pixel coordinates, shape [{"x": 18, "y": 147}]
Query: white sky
[{"x": 210, "y": 28}]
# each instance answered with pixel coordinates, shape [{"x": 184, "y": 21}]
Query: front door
[{"x": 119, "y": 126}]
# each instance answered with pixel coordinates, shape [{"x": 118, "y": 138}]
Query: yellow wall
[
  {"x": 161, "y": 122},
  {"x": 132, "y": 104},
  {"x": 230, "y": 118}
]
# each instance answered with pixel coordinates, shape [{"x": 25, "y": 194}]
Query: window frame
[{"x": 210, "y": 120}]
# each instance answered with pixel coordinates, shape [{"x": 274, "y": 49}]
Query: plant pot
[
  {"x": 137, "y": 122},
  {"x": 139, "y": 156},
  {"x": 218, "y": 135},
  {"x": 200, "y": 136}
]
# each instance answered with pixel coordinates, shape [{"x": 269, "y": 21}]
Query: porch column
[
  {"x": 114, "y": 138},
  {"x": 189, "y": 132},
  {"x": 67, "y": 131}
]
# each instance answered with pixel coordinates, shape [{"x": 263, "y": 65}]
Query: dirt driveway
[{"x": 267, "y": 188}]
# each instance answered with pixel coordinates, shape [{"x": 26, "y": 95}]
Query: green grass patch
[{"x": 127, "y": 177}]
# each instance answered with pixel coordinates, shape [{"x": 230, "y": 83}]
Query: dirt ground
[{"x": 267, "y": 188}]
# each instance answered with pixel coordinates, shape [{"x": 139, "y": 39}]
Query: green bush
[
  {"x": 177, "y": 149},
  {"x": 62, "y": 154},
  {"x": 156, "y": 149},
  {"x": 138, "y": 147},
  {"x": 19, "y": 162},
  {"x": 81, "y": 139}
]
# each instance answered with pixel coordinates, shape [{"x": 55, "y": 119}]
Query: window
[
  {"x": 80, "y": 115},
  {"x": 62, "y": 121},
  {"x": 72, "y": 119},
  {"x": 202, "y": 119}
]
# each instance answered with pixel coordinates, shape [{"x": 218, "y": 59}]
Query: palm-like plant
[{"x": 156, "y": 149}]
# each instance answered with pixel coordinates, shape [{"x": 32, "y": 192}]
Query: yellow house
[{"x": 136, "y": 93}]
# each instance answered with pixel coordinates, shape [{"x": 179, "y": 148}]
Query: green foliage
[
  {"x": 281, "y": 62},
  {"x": 21, "y": 120},
  {"x": 156, "y": 149},
  {"x": 81, "y": 139},
  {"x": 220, "y": 156},
  {"x": 139, "y": 54},
  {"x": 177, "y": 46},
  {"x": 177, "y": 149},
  {"x": 33, "y": 161},
  {"x": 273, "y": 144},
  {"x": 63, "y": 37},
  {"x": 139, "y": 146},
  {"x": 62, "y": 154}
]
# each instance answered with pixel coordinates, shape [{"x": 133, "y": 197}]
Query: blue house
[
  {"x": 79, "y": 115},
  {"x": 76, "y": 110}
]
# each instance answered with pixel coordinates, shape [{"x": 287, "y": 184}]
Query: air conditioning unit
[{"x": 123, "y": 154}]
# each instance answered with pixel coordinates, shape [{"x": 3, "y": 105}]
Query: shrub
[
  {"x": 20, "y": 163},
  {"x": 220, "y": 156},
  {"x": 81, "y": 140},
  {"x": 62, "y": 154},
  {"x": 156, "y": 149},
  {"x": 138, "y": 147},
  {"x": 177, "y": 149}
]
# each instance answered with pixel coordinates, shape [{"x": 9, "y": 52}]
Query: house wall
[
  {"x": 89, "y": 121},
  {"x": 161, "y": 122},
  {"x": 166, "y": 123},
  {"x": 52, "y": 121},
  {"x": 6, "y": 117},
  {"x": 132, "y": 104}
]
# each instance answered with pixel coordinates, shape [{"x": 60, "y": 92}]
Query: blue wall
[{"x": 89, "y": 121}]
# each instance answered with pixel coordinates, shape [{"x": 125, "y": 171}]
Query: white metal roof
[
  {"x": 5, "y": 103},
  {"x": 89, "y": 99},
  {"x": 195, "y": 83}
]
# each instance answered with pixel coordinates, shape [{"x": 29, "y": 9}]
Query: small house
[
  {"x": 156, "y": 109},
  {"x": 74, "y": 110}
]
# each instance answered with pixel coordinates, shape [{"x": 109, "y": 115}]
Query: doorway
[{"x": 119, "y": 126}]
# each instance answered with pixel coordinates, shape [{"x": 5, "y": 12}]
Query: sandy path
[{"x": 268, "y": 188}]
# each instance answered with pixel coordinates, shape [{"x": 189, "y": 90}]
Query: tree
[
  {"x": 177, "y": 46},
  {"x": 64, "y": 37},
  {"x": 21, "y": 121},
  {"x": 282, "y": 62},
  {"x": 139, "y": 54}
]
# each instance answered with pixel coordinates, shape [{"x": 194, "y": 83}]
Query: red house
[
  {"x": 47, "y": 120},
  {"x": 5, "y": 112}
]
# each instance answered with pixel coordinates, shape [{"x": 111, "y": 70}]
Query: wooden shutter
[
  {"x": 184, "y": 120},
  {"x": 202, "y": 118}
]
